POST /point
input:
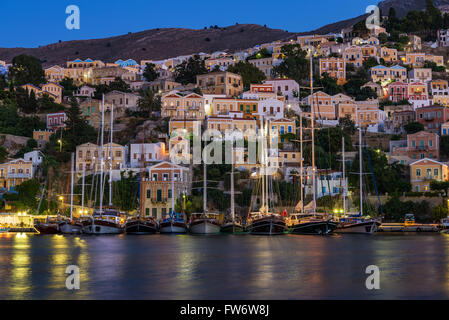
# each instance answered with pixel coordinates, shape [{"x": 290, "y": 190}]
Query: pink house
[
  {"x": 56, "y": 120},
  {"x": 398, "y": 91}
]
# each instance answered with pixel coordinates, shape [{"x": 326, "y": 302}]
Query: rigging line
[{"x": 374, "y": 178}]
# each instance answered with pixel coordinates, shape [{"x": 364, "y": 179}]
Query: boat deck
[{"x": 401, "y": 227}]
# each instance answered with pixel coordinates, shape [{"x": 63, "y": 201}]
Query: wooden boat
[
  {"x": 48, "y": 227},
  {"x": 174, "y": 223},
  {"x": 266, "y": 224},
  {"x": 357, "y": 225},
  {"x": 231, "y": 226},
  {"x": 311, "y": 224},
  {"x": 141, "y": 225},
  {"x": 70, "y": 227},
  {"x": 204, "y": 223},
  {"x": 107, "y": 221}
]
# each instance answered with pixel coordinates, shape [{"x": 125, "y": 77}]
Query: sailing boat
[
  {"x": 230, "y": 224},
  {"x": 265, "y": 222},
  {"x": 107, "y": 220},
  {"x": 174, "y": 222},
  {"x": 141, "y": 224},
  {"x": 205, "y": 222},
  {"x": 71, "y": 226},
  {"x": 356, "y": 223},
  {"x": 306, "y": 220}
]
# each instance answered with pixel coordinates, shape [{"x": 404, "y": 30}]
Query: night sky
[{"x": 33, "y": 23}]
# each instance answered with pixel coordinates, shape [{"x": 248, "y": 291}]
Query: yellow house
[
  {"x": 227, "y": 83},
  {"x": 415, "y": 59},
  {"x": 156, "y": 194},
  {"x": 423, "y": 171},
  {"x": 14, "y": 172},
  {"x": 334, "y": 67},
  {"x": 389, "y": 54},
  {"x": 54, "y": 74},
  {"x": 177, "y": 105},
  {"x": 439, "y": 60},
  {"x": 323, "y": 108},
  {"x": 353, "y": 56}
]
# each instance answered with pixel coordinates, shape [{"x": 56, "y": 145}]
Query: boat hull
[
  {"x": 141, "y": 227},
  {"x": 204, "y": 226},
  {"x": 173, "y": 227},
  {"x": 47, "y": 228},
  {"x": 68, "y": 228},
  {"x": 268, "y": 226},
  {"x": 314, "y": 228},
  {"x": 368, "y": 227},
  {"x": 103, "y": 227},
  {"x": 231, "y": 228}
]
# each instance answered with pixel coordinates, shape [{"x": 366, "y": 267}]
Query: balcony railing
[{"x": 19, "y": 175}]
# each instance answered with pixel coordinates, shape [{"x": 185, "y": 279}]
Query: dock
[{"x": 401, "y": 227}]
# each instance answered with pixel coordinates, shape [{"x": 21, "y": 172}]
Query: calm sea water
[{"x": 224, "y": 267}]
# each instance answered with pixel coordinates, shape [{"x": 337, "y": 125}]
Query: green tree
[
  {"x": 3, "y": 154},
  {"x": 149, "y": 73},
  {"x": 444, "y": 146},
  {"x": 77, "y": 130},
  {"x": 125, "y": 191},
  {"x": 329, "y": 84},
  {"x": 413, "y": 127},
  {"x": 69, "y": 87},
  {"x": 149, "y": 102},
  {"x": 26, "y": 69},
  {"x": 294, "y": 65},
  {"x": 250, "y": 73},
  {"x": 187, "y": 71}
]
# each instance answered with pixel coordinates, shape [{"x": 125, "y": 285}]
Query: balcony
[
  {"x": 161, "y": 200},
  {"x": 19, "y": 175}
]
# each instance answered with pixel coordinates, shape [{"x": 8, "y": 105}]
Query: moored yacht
[
  {"x": 230, "y": 223},
  {"x": 204, "y": 223},
  {"x": 141, "y": 225},
  {"x": 311, "y": 224},
  {"x": 357, "y": 224},
  {"x": 173, "y": 223},
  {"x": 104, "y": 221},
  {"x": 266, "y": 224}
]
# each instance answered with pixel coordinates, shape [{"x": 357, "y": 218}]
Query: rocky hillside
[
  {"x": 154, "y": 44},
  {"x": 404, "y": 6}
]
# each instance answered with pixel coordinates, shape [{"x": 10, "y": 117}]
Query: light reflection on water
[{"x": 224, "y": 267}]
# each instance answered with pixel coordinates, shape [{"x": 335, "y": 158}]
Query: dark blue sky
[{"x": 31, "y": 23}]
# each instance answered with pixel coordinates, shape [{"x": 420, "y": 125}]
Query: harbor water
[{"x": 412, "y": 266}]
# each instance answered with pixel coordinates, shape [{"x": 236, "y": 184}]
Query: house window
[
  {"x": 148, "y": 193},
  {"x": 418, "y": 172}
]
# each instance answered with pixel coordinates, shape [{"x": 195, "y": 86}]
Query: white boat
[
  {"x": 445, "y": 223},
  {"x": 358, "y": 225}
]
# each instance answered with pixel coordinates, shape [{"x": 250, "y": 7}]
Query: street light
[{"x": 60, "y": 145}]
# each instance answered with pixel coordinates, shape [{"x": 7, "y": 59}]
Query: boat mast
[
  {"x": 111, "y": 154},
  {"x": 344, "y": 176},
  {"x": 204, "y": 187},
  {"x": 82, "y": 188},
  {"x": 301, "y": 162},
  {"x": 262, "y": 160},
  {"x": 312, "y": 116},
  {"x": 232, "y": 189},
  {"x": 172, "y": 190},
  {"x": 101, "y": 156},
  {"x": 360, "y": 165},
  {"x": 265, "y": 141},
  {"x": 71, "y": 185}
]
